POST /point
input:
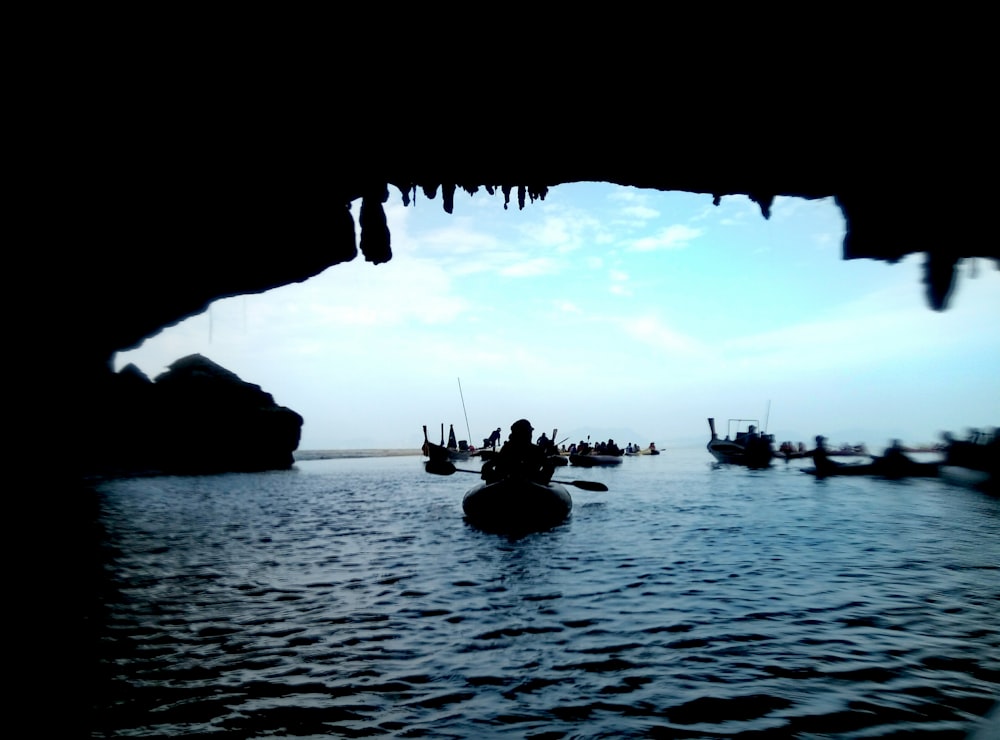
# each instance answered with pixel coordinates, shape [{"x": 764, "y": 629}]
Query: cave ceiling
[{"x": 197, "y": 218}]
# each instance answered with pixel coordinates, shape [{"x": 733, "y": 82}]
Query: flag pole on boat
[
  {"x": 767, "y": 416},
  {"x": 467, "y": 429}
]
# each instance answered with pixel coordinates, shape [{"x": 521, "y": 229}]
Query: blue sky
[{"x": 614, "y": 312}]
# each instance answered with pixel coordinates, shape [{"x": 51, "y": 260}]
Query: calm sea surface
[{"x": 348, "y": 597}]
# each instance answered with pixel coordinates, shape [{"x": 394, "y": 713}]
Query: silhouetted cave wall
[
  {"x": 120, "y": 292},
  {"x": 162, "y": 237}
]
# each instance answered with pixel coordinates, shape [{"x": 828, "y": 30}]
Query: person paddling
[{"x": 519, "y": 457}]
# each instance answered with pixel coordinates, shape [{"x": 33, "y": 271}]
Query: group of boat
[
  {"x": 515, "y": 505},
  {"x": 582, "y": 455},
  {"x": 972, "y": 462}
]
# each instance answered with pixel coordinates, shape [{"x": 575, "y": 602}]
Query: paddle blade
[
  {"x": 439, "y": 467},
  {"x": 589, "y": 485}
]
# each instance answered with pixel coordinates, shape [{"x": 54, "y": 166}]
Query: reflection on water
[{"x": 349, "y": 597}]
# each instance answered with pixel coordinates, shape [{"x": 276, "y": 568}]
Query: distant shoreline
[{"x": 303, "y": 455}]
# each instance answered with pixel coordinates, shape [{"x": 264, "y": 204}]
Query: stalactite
[
  {"x": 765, "y": 202},
  {"x": 405, "y": 191},
  {"x": 448, "y": 197},
  {"x": 939, "y": 276},
  {"x": 375, "y": 238}
]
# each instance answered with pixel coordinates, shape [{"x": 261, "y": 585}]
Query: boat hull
[
  {"x": 730, "y": 453},
  {"x": 881, "y": 467},
  {"x": 512, "y": 506},
  {"x": 830, "y": 469},
  {"x": 440, "y": 453},
  {"x": 592, "y": 461},
  {"x": 980, "y": 480}
]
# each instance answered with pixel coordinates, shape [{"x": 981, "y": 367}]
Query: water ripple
[{"x": 348, "y": 597}]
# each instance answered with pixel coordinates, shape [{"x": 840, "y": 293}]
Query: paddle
[{"x": 446, "y": 468}]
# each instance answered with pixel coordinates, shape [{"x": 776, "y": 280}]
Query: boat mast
[
  {"x": 467, "y": 429},
  {"x": 766, "y": 417}
]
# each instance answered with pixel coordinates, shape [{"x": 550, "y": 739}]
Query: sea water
[{"x": 348, "y": 597}]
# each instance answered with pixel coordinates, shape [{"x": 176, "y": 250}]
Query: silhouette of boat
[
  {"x": 515, "y": 505},
  {"x": 453, "y": 451},
  {"x": 590, "y": 460},
  {"x": 651, "y": 450},
  {"x": 973, "y": 462},
  {"x": 743, "y": 445},
  {"x": 894, "y": 463}
]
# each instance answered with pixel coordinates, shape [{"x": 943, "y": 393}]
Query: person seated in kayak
[
  {"x": 819, "y": 454},
  {"x": 519, "y": 458},
  {"x": 894, "y": 457},
  {"x": 548, "y": 445}
]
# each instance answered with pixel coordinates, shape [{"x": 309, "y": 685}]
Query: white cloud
[
  {"x": 456, "y": 243},
  {"x": 531, "y": 268},
  {"x": 677, "y": 236},
  {"x": 619, "y": 193},
  {"x": 567, "y": 307},
  {"x": 643, "y": 213},
  {"x": 564, "y": 230},
  {"x": 618, "y": 279},
  {"x": 551, "y": 232},
  {"x": 654, "y": 333}
]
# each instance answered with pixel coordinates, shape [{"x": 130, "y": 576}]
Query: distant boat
[
  {"x": 893, "y": 464},
  {"x": 974, "y": 462},
  {"x": 452, "y": 452},
  {"x": 743, "y": 445},
  {"x": 788, "y": 451},
  {"x": 591, "y": 460}
]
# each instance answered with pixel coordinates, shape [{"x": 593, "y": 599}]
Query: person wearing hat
[
  {"x": 819, "y": 454},
  {"x": 519, "y": 457}
]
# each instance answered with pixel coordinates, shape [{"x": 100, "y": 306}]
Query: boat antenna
[
  {"x": 467, "y": 429},
  {"x": 767, "y": 416}
]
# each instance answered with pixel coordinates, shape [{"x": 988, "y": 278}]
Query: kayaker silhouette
[
  {"x": 519, "y": 457},
  {"x": 819, "y": 454}
]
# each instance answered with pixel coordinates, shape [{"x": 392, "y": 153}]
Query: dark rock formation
[
  {"x": 195, "y": 418},
  {"x": 167, "y": 195}
]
